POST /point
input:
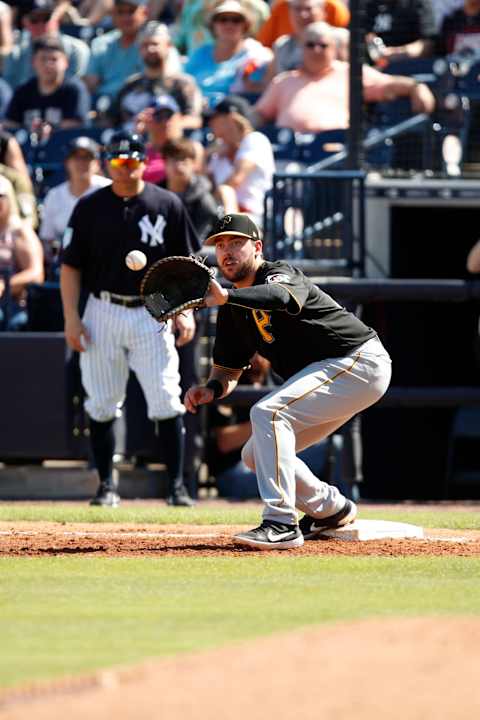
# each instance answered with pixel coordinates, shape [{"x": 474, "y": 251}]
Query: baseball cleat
[
  {"x": 106, "y": 497},
  {"x": 311, "y": 526},
  {"x": 271, "y": 536},
  {"x": 180, "y": 500}
]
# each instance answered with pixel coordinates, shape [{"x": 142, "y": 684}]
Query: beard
[
  {"x": 153, "y": 61},
  {"x": 239, "y": 272}
]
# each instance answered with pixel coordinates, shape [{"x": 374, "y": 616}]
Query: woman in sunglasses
[{"x": 234, "y": 62}]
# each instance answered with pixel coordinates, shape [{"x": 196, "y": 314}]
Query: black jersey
[
  {"x": 293, "y": 324},
  {"x": 104, "y": 228}
]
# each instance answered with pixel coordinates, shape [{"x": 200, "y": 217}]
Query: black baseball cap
[
  {"x": 126, "y": 145},
  {"x": 231, "y": 104},
  {"x": 234, "y": 224},
  {"x": 83, "y": 143},
  {"x": 164, "y": 102}
]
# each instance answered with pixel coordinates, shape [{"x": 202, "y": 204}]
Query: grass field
[
  {"x": 67, "y": 615},
  {"x": 460, "y": 519}
]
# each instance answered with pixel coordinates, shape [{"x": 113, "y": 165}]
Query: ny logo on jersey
[{"x": 152, "y": 234}]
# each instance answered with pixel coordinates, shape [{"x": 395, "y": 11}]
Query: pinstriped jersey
[
  {"x": 104, "y": 228},
  {"x": 287, "y": 319}
]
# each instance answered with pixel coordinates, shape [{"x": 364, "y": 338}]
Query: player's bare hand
[
  {"x": 184, "y": 327},
  {"x": 76, "y": 334},
  {"x": 216, "y": 295},
  {"x": 197, "y": 395}
]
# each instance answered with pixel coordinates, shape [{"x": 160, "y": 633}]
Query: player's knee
[{"x": 247, "y": 456}]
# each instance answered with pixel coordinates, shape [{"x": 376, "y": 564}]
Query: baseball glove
[{"x": 174, "y": 284}]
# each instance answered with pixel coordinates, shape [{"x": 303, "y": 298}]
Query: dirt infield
[
  {"x": 42, "y": 539},
  {"x": 400, "y": 669}
]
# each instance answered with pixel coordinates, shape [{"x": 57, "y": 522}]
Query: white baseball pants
[
  {"x": 123, "y": 338},
  {"x": 311, "y": 405}
]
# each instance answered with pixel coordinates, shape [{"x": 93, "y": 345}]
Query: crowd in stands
[
  {"x": 200, "y": 80},
  {"x": 217, "y": 72}
]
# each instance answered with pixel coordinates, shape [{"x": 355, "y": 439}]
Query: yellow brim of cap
[{"x": 211, "y": 240}]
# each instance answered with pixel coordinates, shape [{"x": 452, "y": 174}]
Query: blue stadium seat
[{"x": 314, "y": 147}]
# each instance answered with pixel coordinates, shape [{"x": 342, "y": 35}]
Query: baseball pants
[
  {"x": 128, "y": 338},
  {"x": 311, "y": 405}
]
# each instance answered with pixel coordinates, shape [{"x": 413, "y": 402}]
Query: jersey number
[{"x": 262, "y": 320}]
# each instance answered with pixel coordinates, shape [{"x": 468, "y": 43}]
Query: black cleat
[
  {"x": 311, "y": 526},
  {"x": 181, "y": 499},
  {"x": 272, "y": 536},
  {"x": 106, "y": 496}
]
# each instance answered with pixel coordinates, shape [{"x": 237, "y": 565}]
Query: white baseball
[{"x": 136, "y": 260}]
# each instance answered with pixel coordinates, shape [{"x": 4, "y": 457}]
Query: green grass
[
  {"x": 67, "y": 615},
  {"x": 214, "y": 515}
]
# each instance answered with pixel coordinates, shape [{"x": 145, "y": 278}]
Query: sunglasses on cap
[
  {"x": 39, "y": 18},
  {"x": 235, "y": 19},
  {"x": 130, "y": 163},
  {"x": 312, "y": 44}
]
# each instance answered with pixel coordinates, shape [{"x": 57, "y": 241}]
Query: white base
[{"x": 375, "y": 530}]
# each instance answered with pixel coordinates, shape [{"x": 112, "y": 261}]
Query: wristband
[{"x": 217, "y": 388}]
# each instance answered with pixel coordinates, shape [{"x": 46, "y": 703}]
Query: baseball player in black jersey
[
  {"x": 333, "y": 365},
  {"x": 116, "y": 332}
]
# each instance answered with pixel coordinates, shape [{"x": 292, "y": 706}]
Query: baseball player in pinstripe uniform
[
  {"x": 116, "y": 332},
  {"x": 334, "y": 366}
]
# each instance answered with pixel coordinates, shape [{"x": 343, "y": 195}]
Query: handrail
[{"x": 376, "y": 138}]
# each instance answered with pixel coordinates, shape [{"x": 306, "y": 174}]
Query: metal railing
[{"x": 318, "y": 217}]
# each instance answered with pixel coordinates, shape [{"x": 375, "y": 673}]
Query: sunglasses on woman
[
  {"x": 235, "y": 19},
  {"x": 130, "y": 163},
  {"x": 312, "y": 44}
]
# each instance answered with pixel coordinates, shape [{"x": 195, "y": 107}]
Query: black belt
[{"x": 130, "y": 301}]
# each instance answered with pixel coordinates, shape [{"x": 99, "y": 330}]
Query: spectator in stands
[
  {"x": 38, "y": 22},
  {"x": 13, "y": 167},
  {"x": 288, "y": 49},
  {"x": 242, "y": 165},
  {"x": 460, "y": 30},
  {"x": 21, "y": 261},
  {"x": 406, "y": 28},
  {"x": 82, "y": 165},
  {"x": 5, "y": 97},
  {"x": 442, "y": 8},
  {"x": 163, "y": 121},
  {"x": 6, "y": 32},
  {"x": 115, "y": 56},
  {"x": 334, "y": 12},
  {"x": 315, "y": 97},
  {"x": 95, "y": 12},
  {"x": 49, "y": 100},
  {"x": 141, "y": 89},
  {"x": 192, "y": 29},
  {"x": 226, "y": 65},
  {"x": 194, "y": 189}
]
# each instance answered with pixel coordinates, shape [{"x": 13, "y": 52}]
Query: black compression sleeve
[{"x": 260, "y": 297}]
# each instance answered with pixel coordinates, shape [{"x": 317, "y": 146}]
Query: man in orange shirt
[{"x": 279, "y": 23}]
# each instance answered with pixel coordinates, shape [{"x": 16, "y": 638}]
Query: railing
[{"x": 318, "y": 218}]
